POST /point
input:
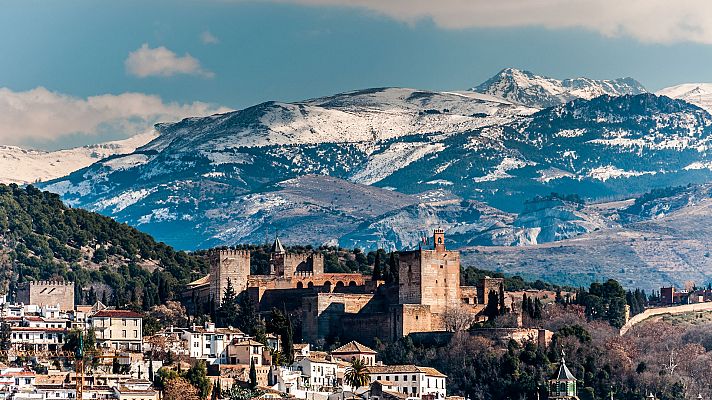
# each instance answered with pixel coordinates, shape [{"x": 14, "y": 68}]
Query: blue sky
[{"x": 206, "y": 56}]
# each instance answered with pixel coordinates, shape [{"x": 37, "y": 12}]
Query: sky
[{"x": 86, "y": 71}]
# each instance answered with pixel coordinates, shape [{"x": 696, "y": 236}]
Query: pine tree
[{"x": 227, "y": 313}]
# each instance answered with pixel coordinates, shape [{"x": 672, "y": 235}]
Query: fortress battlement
[
  {"x": 232, "y": 252},
  {"x": 47, "y": 283}
]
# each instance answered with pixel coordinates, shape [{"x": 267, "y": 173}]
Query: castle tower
[
  {"x": 563, "y": 385},
  {"x": 228, "y": 264},
  {"x": 439, "y": 240},
  {"x": 430, "y": 277},
  {"x": 276, "y": 258}
]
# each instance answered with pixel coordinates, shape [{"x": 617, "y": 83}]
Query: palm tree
[{"x": 356, "y": 375}]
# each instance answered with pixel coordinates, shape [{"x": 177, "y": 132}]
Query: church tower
[
  {"x": 563, "y": 385},
  {"x": 276, "y": 258}
]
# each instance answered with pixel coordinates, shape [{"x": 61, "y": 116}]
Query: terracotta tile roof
[
  {"x": 35, "y": 329},
  {"x": 117, "y": 314},
  {"x": 432, "y": 372},
  {"x": 249, "y": 342},
  {"x": 404, "y": 369},
  {"x": 353, "y": 347},
  {"x": 198, "y": 282}
]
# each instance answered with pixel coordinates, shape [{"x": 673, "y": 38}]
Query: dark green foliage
[
  {"x": 470, "y": 276},
  {"x": 253, "y": 374},
  {"x": 605, "y": 301},
  {"x": 197, "y": 375},
  {"x": 44, "y": 239},
  {"x": 492, "y": 310}
]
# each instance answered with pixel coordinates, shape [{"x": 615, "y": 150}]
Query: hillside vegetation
[{"x": 43, "y": 239}]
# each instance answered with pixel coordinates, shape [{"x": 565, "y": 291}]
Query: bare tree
[{"x": 457, "y": 318}]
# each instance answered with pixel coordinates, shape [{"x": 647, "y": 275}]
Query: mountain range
[
  {"x": 382, "y": 167},
  {"x": 22, "y": 166}
]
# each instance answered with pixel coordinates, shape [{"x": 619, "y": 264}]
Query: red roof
[{"x": 117, "y": 314}]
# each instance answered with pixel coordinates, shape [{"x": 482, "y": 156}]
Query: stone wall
[
  {"x": 47, "y": 293},
  {"x": 430, "y": 277},
  {"x": 322, "y": 314},
  {"x": 411, "y": 318},
  {"x": 228, "y": 264}
]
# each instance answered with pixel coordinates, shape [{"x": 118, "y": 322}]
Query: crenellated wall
[
  {"x": 228, "y": 264},
  {"x": 47, "y": 293}
]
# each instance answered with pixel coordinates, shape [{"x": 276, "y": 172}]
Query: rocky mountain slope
[
  {"x": 524, "y": 87},
  {"x": 216, "y": 180},
  {"x": 21, "y": 166},
  {"x": 699, "y": 94},
  {"x": 466, "y": 161},
  {"x": 662, "y": 239}
]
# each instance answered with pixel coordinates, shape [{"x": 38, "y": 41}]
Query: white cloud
[
  {"x": 652, "y": 21},
  {"x": 160, "y": 61},
  {"x": 208, "y": 38},
  {"x": 40, "y": 115}
]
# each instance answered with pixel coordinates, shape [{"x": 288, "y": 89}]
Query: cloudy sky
[{"x": 81, "y": 72}]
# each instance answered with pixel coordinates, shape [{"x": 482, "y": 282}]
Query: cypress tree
[
  {"x": 377, "y": 272},
  {"x": 393, "y": 267},
  {"x": 502, "y": 307},
  {"x": 491, "y": 311},
  {"x": 537, "y": 308},
  {"x": 253, "y": 374}
]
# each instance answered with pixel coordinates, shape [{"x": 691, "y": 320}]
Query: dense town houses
[{"x": 423, "y": 293}]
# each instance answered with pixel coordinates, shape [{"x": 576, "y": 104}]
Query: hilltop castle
[{"x": 350, "y": 306}]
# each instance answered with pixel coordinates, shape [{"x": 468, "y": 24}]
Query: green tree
[
  {"x": 357, "y": 375},
  {"x": 253, "y": 374},
  {"x": 377, "y": 271},
  {"x": 227, "y": 313},
  {"x": 197, "y": 375},
  {"x": 491, "y": 310}
]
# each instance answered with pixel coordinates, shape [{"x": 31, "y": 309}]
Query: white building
[
  {"x": 318, "y": 374},
  {"x": 118, "y": 329},
  {"x": 411, "y": 380},
  {"x": 210, "y": 343}
]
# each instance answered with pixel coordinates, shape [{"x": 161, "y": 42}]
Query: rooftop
[
  {"x": 117, "y": 314},
  {"x": 404, "y": 369},
  {"x": 353, "y": 347}
]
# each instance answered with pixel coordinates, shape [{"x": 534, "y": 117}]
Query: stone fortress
[
  {"x": 350, "y": 306},
  {"x": 47, "y": 293}
]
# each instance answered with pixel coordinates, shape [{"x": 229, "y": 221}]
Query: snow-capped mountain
[
  {"x": 444, "y": 156},
  {"x": 21, "y": 166},
  {"x": 699, "y": 94},
  {"x": 523, "y": 87}
]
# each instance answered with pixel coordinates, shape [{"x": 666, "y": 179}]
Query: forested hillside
[{"x": 42, "y": 239}]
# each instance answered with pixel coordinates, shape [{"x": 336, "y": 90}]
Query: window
[
  {"x": 405, "y": 390},
  {"x": 123, "y": 333},
  {"x": 135, "y": 334},
  {"x": 123, "y": 321},
  {"x": 207, "y": 345},
  {"x": 196, "y": 344},
  {"x": 414, "y": 390},
  {"x": 397, "y": 378},
  {"x": 413, "y": 378}
]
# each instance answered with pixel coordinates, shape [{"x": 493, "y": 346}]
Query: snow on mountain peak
[
  {"x": 699, "y": 94},
  {"x": 21, "y": 166},
  {"x": 524, "y": 87}
]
